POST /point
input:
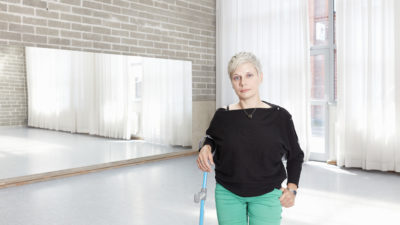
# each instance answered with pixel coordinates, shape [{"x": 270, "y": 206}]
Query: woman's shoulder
[
  {"x": 283, "y": 111},
  {"x": 221, "y": 109},
  {"x": 280, "y": 108}
]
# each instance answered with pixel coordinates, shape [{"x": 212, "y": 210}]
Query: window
[
  {"x": 136, "y": 75},
  {"x": 323, "y": 78}
]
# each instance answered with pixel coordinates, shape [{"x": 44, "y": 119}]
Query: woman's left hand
[{"x": 287, "y": 198}]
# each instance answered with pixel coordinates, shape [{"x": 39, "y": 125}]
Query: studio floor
[
  {"x": 27, "y": 151},
  {"x": 159, "y": 193}
]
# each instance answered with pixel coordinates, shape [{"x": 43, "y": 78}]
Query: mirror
[{"x": 69, "y": 110}]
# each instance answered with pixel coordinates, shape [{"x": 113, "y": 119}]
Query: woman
[{"x": 249, "y": 140}]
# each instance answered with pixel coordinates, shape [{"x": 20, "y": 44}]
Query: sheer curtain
[
  {"x": 78, "y": 92},
  {"x": 277, "y": 33},
  {"x": 110, "y": 109},
  {"x": 50, "y": 100},
  {"x": 167, "y": 101},
  {"x": 368, "y": 105},
  {"x": 91, "y": 93}
]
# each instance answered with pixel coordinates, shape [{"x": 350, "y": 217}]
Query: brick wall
[
  {"x": 13, "y": 99},
  {"x": 175, "y": 29}
]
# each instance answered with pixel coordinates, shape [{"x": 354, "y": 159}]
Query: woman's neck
[{"x": 250, "y": 103}]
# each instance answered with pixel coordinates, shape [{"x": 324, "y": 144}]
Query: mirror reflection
[{"x": 84, "y": 109}]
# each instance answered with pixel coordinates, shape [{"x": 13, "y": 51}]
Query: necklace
[{"x": 250, "y": 116}]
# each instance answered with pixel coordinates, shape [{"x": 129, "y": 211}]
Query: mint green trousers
[{"x": 233, "y": 209}]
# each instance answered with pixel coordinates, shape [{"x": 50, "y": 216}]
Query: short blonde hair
[{"x": 243, "y": 57}]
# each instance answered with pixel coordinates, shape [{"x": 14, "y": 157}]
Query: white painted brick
[
  {"x": 92, "y": 5},
  {"x": 34, "y": 38},
  {"x": 10, "y": 35},
  {"x": 46, "y": 14},
  {"x": 13, "y": 102},
  {"x": 111, "y": 39},
  {"x": 70, "y": 17},
  {"x": 71, "y": 34},
  {"x": 47, "y": 31},
  {"x": 10, "y": 17},
  {"x": 58, "y": 24},
  {"x": 58, "y": 7},
  {"x": 58, "y": 41},
  {"x": 21, "y": 10},
  {"x": 34, "y": 21},
  {"x": 72, "y": 2}
]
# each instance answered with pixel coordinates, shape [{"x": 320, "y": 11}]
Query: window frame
[
  {"x": 330, "y": 49},
  {"x": 329, "y": 52}
]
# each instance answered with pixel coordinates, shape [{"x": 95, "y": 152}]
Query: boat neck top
[
  {"x": 248, "y": 152},
  {"x": 269, "y": 104}
]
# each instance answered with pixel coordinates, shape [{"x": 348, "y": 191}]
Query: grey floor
[
  {"x": 28, "y": 151},
  {"x": 160, "y": 193}
]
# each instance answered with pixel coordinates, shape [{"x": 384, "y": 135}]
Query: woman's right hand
[{"x": 205, "y": 155}]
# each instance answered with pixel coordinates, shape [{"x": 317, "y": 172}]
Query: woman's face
[{"x": 245, "y": 80}]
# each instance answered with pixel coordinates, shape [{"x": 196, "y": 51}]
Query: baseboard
[
  {"x": 331, "y": 162},
  {"x": 17, "y": 181}
]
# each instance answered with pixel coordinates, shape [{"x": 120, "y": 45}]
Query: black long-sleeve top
[{"x": 249, "y": 152}]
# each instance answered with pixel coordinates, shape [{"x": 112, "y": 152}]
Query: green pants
[{"x": 233, "y": 209}]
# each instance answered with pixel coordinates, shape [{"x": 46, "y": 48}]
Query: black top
[{"x": 248, "y": 152}]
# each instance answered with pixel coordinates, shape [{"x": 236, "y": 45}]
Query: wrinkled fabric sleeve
[
  {"x": 214, "y": 132},
  {"x": 207, "y": 140},
  {"x": 295, "y": 156}
]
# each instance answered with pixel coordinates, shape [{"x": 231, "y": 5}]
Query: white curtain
[
  {"x": 49, "y": 81},
  {"x": 277, "y": 33},
  {"x": 110, "y": 109},
  {"x": 92, "y": 93},
  {"x": 78, "y": 92},
  {"x": 167, "y": 101},
  {"x": 368, "y": 109}
]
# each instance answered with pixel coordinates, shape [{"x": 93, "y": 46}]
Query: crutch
[{"x": 201, "y": 196}]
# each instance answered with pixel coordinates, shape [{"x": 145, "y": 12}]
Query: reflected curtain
[
  {"x": 368, "y": 104},
  {"x": 110, "y": 115},
  {"x": 167, "y": 101},
  {"x": 90, "y": 93},
  {"x": 277, "y": 33},
  {"x": 78, "y": 92},
  {"x": 49, "y": 82}
]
